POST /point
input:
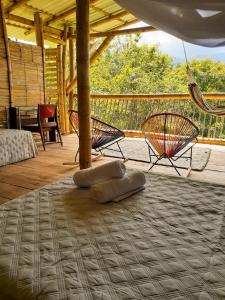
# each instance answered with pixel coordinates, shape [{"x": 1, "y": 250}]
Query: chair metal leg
[
  {"x": 77, "y": 154},
  {"x": 42, "y": 139},
  {"x": 191, "y": 157},
  {"x": 154, "y": 163},
  {"x": 173, "y": 165},
  {"x": 124, "y": 158},
  {"x": 60, "y": 138}
]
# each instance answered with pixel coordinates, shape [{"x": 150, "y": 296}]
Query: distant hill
[{"x": 216, "y": 56}]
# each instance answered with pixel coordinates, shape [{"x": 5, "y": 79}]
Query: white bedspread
[
  {"x": 16, "y": 145},
  {"x": 167, "y": 242}
]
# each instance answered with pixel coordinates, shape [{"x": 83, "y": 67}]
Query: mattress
[
  {"x": 166, "y": 242},
  {"x": 16, "y": 145}
]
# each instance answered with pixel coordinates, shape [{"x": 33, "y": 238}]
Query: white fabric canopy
[{"x": 200, "y": 22}]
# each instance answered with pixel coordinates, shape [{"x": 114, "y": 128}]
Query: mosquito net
[{"x": 200, "y": 22}]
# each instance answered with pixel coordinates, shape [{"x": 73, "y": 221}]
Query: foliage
[{"x": 129, "y": 68}]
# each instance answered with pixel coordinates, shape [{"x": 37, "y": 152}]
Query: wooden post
[
  {"x": 72, "y": 71},
  {"x": 93, "y": 58},
  {"x": 83, "y": 82},
  {"x": 64, "y": 112},
  {"x": 60, "y": 87},
  {"x": 7, "y": 53},
  {"x": 40, "y": 42}
]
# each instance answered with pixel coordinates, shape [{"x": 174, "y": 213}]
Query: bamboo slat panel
[
  {"x": 4, "y": 83},
  {"x": 27, "y": 73},
  {"x": 51, "y": 75},
  {"x": 53, "y": 83}
]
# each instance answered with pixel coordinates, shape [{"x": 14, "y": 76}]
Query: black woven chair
[
  {"x": 166, "y": 134},
  {"x": 103, "y": 134}
]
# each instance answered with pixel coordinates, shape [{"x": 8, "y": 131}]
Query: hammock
[{"x": 197, "y": 96}]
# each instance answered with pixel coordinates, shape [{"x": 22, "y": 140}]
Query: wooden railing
[{"x": 128, "y": 112}]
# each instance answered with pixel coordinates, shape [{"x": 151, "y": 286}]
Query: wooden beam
[
  {"x": 61, "y": 16},
  {"x": 65, "y": 14},
  {"x": 24, "y": 27},
  {"x": 93, "y": 58},
  {"x": 72, "y": 71},
  {"x": 8, "y": 58},
  {"x": 40, "y": 42},
  {"x": 101, "y": 49},
  {"x": 21, "y": 20},
  {"x": 123, "y": 31},
  {"x": 60, "y": 85},
  {"x": 64, "y": 52},
  {"x": 15, "y": 5},
  {"x": 109, "y": 18},
  {"x": 83, "y": 83},
  {"x": 53, "y": 39},
  {"x": 125, "y": 24},
  {"x": 118, "y": 32},
  {"x": 30, "y": 23}
]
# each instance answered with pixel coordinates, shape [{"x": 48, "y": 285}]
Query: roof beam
[
  {"x": 54, "y": 40},
  {"x": 125, "y": 24},
  {"x": 15, "y": 5},
  {"x": 65, "y": 14},
  {"x": 119, "y": 32},
  {"x": 61, "y": 16},
  {"x": 110, "y": 18},
  {"x": 30, "y": 23}
]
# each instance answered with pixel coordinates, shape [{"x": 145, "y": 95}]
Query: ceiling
[{"x": 105, "y": 15}]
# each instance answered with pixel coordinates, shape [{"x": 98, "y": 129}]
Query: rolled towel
[
  {"x": 94, "y": 175},
  {"x": 118, "y": 189}
]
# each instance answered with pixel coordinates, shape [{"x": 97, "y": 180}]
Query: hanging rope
[{"x": 196, "y": 94}]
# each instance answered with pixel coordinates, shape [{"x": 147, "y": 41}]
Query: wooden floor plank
[{"x": 10, "y": 191}]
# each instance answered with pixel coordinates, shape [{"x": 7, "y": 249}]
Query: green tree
[{"x": 127, "y": 67}]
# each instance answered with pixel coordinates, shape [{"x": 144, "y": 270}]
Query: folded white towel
[
  {"x": 118, "y": 189},
  {"x": 94, "y": 175}
]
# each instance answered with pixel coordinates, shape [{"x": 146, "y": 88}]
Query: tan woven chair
[{"x": 166, "y": 135}]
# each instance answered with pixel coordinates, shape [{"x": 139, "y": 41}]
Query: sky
[{"x": 173, "y": 46}]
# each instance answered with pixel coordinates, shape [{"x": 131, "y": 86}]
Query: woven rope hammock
[{"x": 197, "y": 96}]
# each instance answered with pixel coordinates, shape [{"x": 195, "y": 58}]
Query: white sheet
[
  {"x": 166, "y": 242},
  {"x": 199, "y": 22},
  {"x": 16, "y": 145}
]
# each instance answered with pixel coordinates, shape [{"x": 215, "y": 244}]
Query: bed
[
  {"x": 16, "y": 145},
  {"x": 166, "y": 242}
]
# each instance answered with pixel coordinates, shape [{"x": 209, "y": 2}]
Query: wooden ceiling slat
[{"x": 106, "y": 16}]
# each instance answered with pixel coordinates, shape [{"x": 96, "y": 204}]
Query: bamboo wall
[
  {"x": 52, "y": 76},
  {"x": 53, "y": 79},
  {"x": 4, "y": 84},
  {"x": 27, "y": 74}
]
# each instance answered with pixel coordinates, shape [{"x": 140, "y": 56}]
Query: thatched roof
[{"x": 105, "y": 15}]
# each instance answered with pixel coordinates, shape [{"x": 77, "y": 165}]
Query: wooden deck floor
[{"x": 22, "y": 177}]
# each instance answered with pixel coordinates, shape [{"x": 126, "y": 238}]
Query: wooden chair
[
  {"x": 166, "y": 134},
  {"x": 46, "y": 123},
  {"x": 103, "y": 134}
]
